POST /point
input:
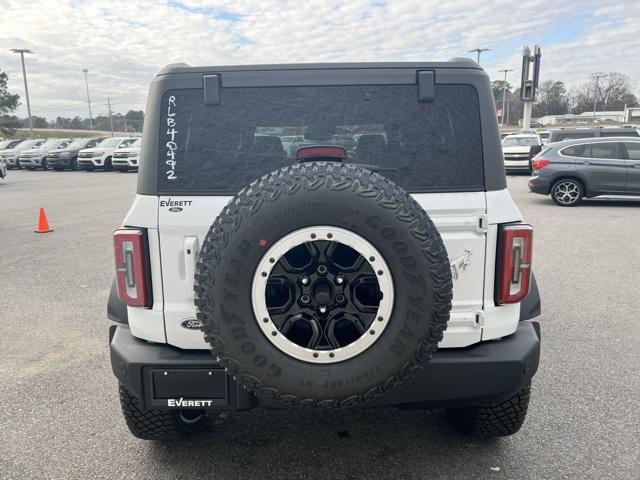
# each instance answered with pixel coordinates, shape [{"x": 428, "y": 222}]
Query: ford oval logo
[
  {"x": 175, "y": 209},
  {"x": 191, "y": 324}
]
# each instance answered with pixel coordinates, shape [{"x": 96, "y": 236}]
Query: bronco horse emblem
[{"x": 461, "y": 263}]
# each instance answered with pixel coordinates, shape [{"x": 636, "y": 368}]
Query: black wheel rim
[{"x": 322, "y": 295}]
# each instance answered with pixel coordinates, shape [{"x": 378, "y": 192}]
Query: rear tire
[
  {"x": 567, "y": 192},
  {"x": 499, "y": 420},
  {"x": 161, "y": 425}
]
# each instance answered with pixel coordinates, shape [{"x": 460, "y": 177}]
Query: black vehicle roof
[
  {"x": 592, "y": 129},
  {"x": 181, "y": 68}
]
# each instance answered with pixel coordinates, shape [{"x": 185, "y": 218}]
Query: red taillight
[
  {"x": 514, "y": 263},
  {"x": 131, "y": 267},
  {"x": 539, "y": 163},
  {"x": 321, "y": 152}
]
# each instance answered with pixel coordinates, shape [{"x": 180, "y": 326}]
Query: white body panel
[
  {"x": 467, "y": 221},
  {"x": 463, "y": 219},
  {"x": 148, "y": 323}
]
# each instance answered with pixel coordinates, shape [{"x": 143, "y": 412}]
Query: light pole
[
  {"x": 86, "y": 81},
  {"x": 110, "y": 117},
  {"x": 504, "y": 93},
  {"x": 478, "y": 51},
  {"x": 22, "y": 51},
  {"x": 597, "y": 76}
]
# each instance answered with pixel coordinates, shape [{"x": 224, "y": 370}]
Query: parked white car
[
  {"x": 37, "y": 157},
  {"x": 101, "y": 155},
  {"x": 517, "y": 151},
  {"x": 10, "y": 156},
  {"x": 126, "y": 158}
]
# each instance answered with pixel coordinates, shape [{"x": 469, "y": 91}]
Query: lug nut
[
  {"x": 339, "y": 279},
  {"x": 304, "y": 298},
  {"x": 322, "y": 309},
  {"x": 304, "y": 280}
]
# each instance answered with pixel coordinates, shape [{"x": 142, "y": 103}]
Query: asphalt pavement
[{"x": 60, "y": 416}]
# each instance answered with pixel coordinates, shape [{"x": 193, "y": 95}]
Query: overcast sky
[{"x": 123, "y": 43}]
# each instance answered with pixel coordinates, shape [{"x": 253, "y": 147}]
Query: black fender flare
[
  {"x": 116, "y": 308},
  {"x": 530, "y": 306}
]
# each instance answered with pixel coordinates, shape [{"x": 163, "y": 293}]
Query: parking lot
[{"x": 60, "y": 407}]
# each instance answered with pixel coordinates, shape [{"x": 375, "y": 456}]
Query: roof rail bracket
[
  {"x": 211, "y": 85},
  {"x": 426, "y": 85}
]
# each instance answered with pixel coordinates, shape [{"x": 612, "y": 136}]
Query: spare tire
[{"x": 323, "y": 284}]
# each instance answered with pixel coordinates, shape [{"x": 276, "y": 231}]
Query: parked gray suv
[{"x": 574, "y": 169}]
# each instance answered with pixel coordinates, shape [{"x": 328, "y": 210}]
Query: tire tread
[{"x": 333, "y": 176}]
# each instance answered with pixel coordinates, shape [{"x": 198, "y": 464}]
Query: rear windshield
[
  {"x": 519, "y": 141},
  {"x": 422, "y": 146}
]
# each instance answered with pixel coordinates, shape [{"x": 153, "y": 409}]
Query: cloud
[{"x": 123, "y": 43}]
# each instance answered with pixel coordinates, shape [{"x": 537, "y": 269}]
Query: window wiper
[{"x": 374, "y": 168}]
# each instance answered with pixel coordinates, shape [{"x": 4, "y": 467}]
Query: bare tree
[{"x": 613, "y": 93}]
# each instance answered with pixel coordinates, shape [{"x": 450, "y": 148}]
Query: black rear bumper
[{"x": 483, "y": 374}]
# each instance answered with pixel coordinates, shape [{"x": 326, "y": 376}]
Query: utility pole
[
  {"x": 597, "y": 76},
  {"x": 22, "y": 51},
  {"x": 86, "y": 81},
  {"x": 110, "y": 117},
  {"x": 478, "y": 51},
  {"x": 504, "y": 93}
]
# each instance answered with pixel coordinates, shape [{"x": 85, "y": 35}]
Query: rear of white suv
[{"x": 182, "y": 232}]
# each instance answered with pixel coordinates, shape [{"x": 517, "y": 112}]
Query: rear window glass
[
  {"x": 218, "y": 149},
  {"x": 520, "y": 141}
]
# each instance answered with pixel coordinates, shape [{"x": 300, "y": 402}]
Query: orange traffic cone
[{"x": 43, "y": 223}]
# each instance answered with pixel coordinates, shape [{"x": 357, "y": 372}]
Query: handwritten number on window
[{"x": 171, "y": 144}]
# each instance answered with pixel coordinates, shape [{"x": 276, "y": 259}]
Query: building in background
[{"x": 632, "y": 115}]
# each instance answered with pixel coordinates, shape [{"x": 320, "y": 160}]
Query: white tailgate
[{"x": 460, "y": 218}]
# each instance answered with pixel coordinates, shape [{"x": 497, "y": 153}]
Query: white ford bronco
[{"x": 380, "y": 262}]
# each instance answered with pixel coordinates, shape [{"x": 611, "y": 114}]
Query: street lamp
[
  {"x": 22, "y": 51},
  {"x": 478, "y": 51},
  {"x": 86, "y": 81},
  {"x": 504, "y": 93}
]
